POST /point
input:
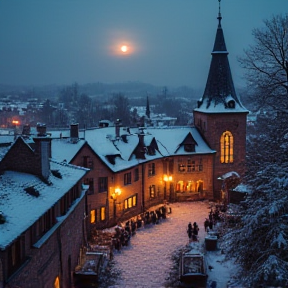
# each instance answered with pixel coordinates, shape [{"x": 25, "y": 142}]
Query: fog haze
[{"x": 169, "y": 41}]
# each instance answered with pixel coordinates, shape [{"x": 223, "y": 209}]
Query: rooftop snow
[
  {"x": 20, "y": 209},
  {"x": 104, "y": 142}
]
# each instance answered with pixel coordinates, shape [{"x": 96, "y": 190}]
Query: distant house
[{"x": 42, "y": 216}]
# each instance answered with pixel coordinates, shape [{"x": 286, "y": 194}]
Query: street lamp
[
  {"x": 167, "y": 178},
  {"x": 114, "y": 195}
]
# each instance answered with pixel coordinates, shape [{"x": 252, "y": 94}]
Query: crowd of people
[
  {"x": 213, "y": 217},
  {"x": 124, "y": 232}
]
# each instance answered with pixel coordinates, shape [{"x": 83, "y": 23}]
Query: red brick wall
[
  {"x": 51, "y": 259},
  {"x": 215, "y": 125}
]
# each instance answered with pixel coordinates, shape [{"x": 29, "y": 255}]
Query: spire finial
[{"x": 219, "y": 14}]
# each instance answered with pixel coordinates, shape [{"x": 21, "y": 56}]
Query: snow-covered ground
[{"x": 147, "y": 261}]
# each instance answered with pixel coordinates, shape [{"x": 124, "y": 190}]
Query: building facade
[{"x": 42, "y": 228}]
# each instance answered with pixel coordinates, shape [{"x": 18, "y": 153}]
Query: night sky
[{"x": 168, "y": 42}]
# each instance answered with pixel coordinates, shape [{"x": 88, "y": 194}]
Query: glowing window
[
  {"x": 92, "y": 216},
  {"x": 57, "y": 282},
  {"x": 130, "y": 202},
  {"x": 102, "y": 213},
  {"x": 226, "y": 146}
]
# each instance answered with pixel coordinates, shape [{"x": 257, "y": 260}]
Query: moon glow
[{"x": 124, "y": 48}]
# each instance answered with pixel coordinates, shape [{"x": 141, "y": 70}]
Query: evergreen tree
[{"x": 259, "y": 241}]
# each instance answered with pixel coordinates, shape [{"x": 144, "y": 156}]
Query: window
[
  {"x": 200, "y": 166},
  {"x": 226, "y": 147},
  {"x": 190, "y": 165},
  {"x": 87, "y": 162},
  {"x": 181, "y": 165},
  {"x": 136, "y": 174},
  {"x": 103, "y": 184},
  {"x": 57, "y": 282},
  {"x": 103, "y": 213},
  {"x": 151, "y": 169},
  {"x": 152, "y": 191},
  {"x": 130, "y": 202},
  {"x": 189, "y": 147},
  {"x": 127, "y": 178},
  {"x": 90, "y": 182},
  {"x": 92, "y": 216}
]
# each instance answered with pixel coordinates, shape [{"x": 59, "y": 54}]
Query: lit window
[
  {"x": 102, "y": 213},
  {"x": 130, "y": 202},
  {"x": 57, "y": 282},
  {"x": 92, "y": 216},
  {"x": 152, "y": 191},
  {"x": 226, "y": 146}
]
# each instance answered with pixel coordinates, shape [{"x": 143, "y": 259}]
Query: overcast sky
[{"x": 168, "y": 42}]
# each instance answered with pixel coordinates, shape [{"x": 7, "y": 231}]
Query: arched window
[
  {"x": 57, "y": 282},
  {"x": 226, "y": 146}
]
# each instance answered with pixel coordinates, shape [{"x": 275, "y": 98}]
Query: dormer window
[
  {"x": 231, "y": 104},
  {"x": 189, "y": 147}
]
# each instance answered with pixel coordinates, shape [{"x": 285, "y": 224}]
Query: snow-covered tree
[{"x": 259, "y": 240}]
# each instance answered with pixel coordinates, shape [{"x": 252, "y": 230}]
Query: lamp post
[
  {"x": 114, "y": 195},
  {"x": 168, "y": 179}
]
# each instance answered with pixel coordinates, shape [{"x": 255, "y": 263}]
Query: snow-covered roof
[
  {"x": 221, "y": 107},
  {"x": 242, "y": 188},
  {"x": 64, "y": 149},
  {"x": 229, "y": 174},
  {"x": 104, "y": 143},
  {"x": 21, "y": 209}
]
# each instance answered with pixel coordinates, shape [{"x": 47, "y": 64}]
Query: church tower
[{"x": 220, "y": 116}]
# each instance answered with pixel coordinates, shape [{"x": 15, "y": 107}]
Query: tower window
[{"x": 226, "y": 146}]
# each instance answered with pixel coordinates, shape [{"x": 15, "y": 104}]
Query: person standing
[
  {"x": 190, "y": 231},
  {"x": 195, "y": 232}
]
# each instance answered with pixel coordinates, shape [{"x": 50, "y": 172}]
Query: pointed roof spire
[
  {"x": 219, "y": 94},
  {"x": 219, "y": 14}
]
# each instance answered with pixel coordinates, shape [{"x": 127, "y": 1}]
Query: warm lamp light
[
  {"x": 116, "y": 193},
  {"x": 167, "y": 178}
]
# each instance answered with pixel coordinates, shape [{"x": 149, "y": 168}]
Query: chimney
[
  {"x": 26, "y": 129},
  {"x": 74, "y": 132},
  {"x": 117, "y": 127},
  {"x": 41, "y": 129},
  {"x": 140, "y": 153},
  {"x": 43, "y": 155}
]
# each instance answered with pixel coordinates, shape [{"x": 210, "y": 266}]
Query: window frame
[
  {"x": 151, "y": 169},
  {"x": 127, "y": 178},
  {"x": 102, "y": 184}
]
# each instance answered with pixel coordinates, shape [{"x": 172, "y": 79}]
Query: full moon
[{"x": 124, "y": 48}]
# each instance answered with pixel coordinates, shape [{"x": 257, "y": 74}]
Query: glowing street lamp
[
  {"x": 117, "y": 192},
  {"x": 167, "y": 178},
  {"x": 114, "y": 195}
]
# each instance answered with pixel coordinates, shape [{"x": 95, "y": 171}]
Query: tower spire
[
  {"x": 219, "y": 91},
  {"x": 219, "y": 14}
]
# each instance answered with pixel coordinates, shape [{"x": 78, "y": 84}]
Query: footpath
[{"x": 147, "y": 262}]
